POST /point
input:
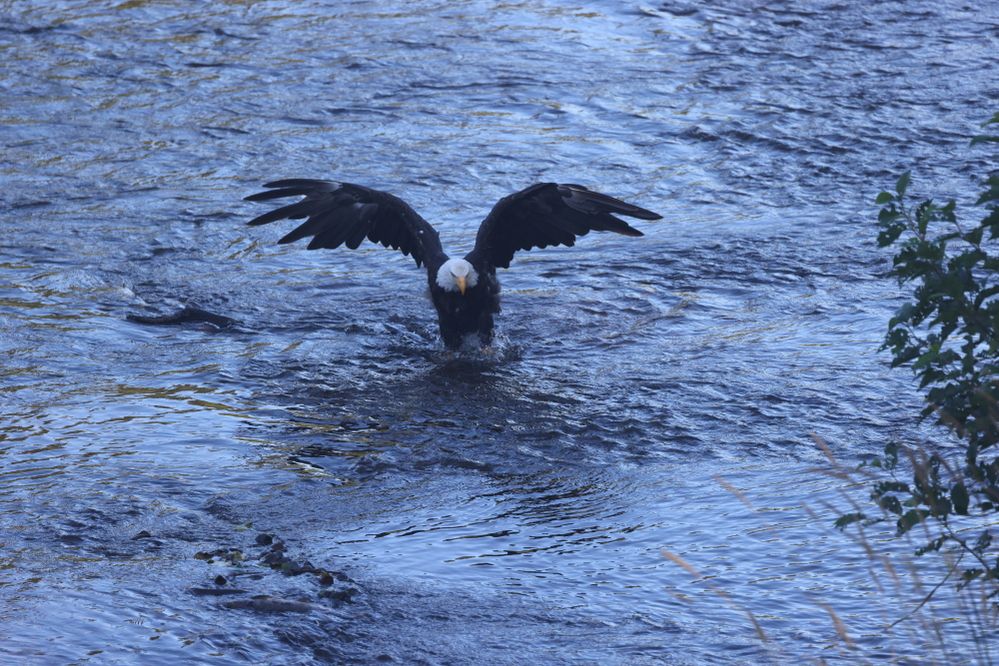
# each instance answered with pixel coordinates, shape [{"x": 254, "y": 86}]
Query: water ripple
[{"x": 507, "y": 506}]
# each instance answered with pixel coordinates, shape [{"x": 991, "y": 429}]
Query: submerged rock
[
  {"x": 215, "y": 591},
  {"x": 187, "y": 315},
  {"x": 346, "y": 595},
  {"x": 331, "y": 586},
  {"x": 268, "y": 604}
]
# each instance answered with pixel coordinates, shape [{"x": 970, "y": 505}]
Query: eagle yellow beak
[{"x": 460, "y": 280}]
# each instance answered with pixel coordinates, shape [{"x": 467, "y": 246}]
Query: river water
[{"x": 499, "y": 508}]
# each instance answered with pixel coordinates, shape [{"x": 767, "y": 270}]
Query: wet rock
[
  {"x": 294, "y": 569},
  {"x": 187, "y": 315},
  {"x": 272, "y": 559},
  {"x": 232, "y": 556},
  {"x": 215, "y": 591},
  {"x": 276, "y": 558},
  {"x": 335, "y": 586},
  {"x": 346, "y": 595},
  {"x": 268, "y": 604},
  {"x": 327, "y": 577},
  {"x": 304, "y": 568},
  {"x": 142, "y": 535}
]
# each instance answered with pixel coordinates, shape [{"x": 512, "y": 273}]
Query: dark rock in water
[
  {"x": 187, "y": 315},
  {"x": 276, "y": 558},
  {"x": 231, "y": 555},
  {"x": 334, "y": 587},
  {"x": 308, "y": 567},
  {"x": 215, "y": 591},
  {"x": 345, "y": 595},
  {"x": 142, "y": 535},
  {"x": 268, "y": 604},
  {"x": 272, "y": 559},
  {"x": 292, "y": 568}
]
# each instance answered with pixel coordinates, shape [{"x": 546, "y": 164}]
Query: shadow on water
[{"x": 475, "y": 408}]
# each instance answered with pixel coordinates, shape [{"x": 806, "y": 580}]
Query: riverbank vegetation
[
  {"x": 942, "y": 503},
  {"x": 947, "y": 333}
]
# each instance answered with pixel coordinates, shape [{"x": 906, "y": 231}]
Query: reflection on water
[{"x": 503, "y": 507}]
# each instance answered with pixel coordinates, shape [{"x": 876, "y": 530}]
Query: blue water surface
[{"x": 507, "y": 507}]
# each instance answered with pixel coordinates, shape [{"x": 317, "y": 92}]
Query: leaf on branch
[
  {"x": 891, "y": 455},
  {"x": 902, "y": 184},
  {"x": 969, "y": 575},
  {"x": 983, "y": 542},
  {"x": 891, "y": 503},
  {"x": 992, "y": 193},
  {"x": 959, "y": 497},
  {"x": 910, "y": 519},
  {"x": 890, "y": 234},
  {"x": 975, "y": 235},
  {"x": 903, "y": 314},
  {"x": 933, "y": 545},
  {"x": 849, "y": 519},
  {"x": 888, "y": 215},
  {"x": 885, "y": 487}
]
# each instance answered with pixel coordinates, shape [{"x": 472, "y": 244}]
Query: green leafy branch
[{"x": 948, "y": 334}]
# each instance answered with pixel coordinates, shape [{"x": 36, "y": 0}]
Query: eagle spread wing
[
  {"x": 549, "y": 214},
  {"x": 344, "y": 214}
]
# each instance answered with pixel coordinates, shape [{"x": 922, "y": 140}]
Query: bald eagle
[{"x": 465, "y": 292}]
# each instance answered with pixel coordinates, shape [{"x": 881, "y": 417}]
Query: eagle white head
[{"x": 457, "y": 275}]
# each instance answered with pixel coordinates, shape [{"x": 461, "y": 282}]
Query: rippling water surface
[{"x": 504, "y": 508}]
